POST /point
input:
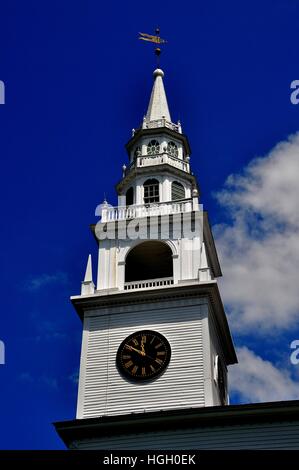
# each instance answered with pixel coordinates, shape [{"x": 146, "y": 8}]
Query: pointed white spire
[
  {"x": 204, "y": 260},
  {"x": 88, "y": 286},
  {"x": 88, "y": 272},
  {"x": 204, "y": 270},
  {"x": 158, "y": 107}
]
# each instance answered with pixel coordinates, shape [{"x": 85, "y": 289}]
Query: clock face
[{"x": 143, "y": 355}]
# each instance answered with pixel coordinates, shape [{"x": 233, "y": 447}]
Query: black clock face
[{"x": 143, "y": 355}]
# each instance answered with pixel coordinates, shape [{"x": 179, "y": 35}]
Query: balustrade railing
[
  {"x": 110, "y": 214},
  {"x": 162, "y": 159},
  {"x": 159, "y": 159},
  {"x": 149, "y": 283}
]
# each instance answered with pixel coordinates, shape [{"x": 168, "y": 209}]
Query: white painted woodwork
[
  {"x": 186, "y": 255},
  {"x": 104, "y": 391},
  {"x": 162, "y": 123},
  {"x": 162, "y": 159},
  {"x": 158, "y": 106},
  {"x": 188, "y": 380},
  {"x": 165, "y": 187},
  {"x": 149, "y": 283},
  {"x": 111, "y": 214}
]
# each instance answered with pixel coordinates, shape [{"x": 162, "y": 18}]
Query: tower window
[
  {"x": 172, "y": 149},
  {"x": 151, "y": 191},
  {"x": 137, "y": 152},
  {"x": 153, "y": 147},
  {"x": 177, "y": 191},
  {"x": 130, "y": 196}
]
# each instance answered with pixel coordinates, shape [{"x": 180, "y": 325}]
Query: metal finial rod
[{"x": 158, "y": 53}]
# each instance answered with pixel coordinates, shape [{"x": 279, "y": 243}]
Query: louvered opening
[{"x": 177, "y": 191}]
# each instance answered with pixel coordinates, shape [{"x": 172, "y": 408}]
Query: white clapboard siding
[
  {"x": 284, "y": 435},
  {"x": 102, "y": 389}
]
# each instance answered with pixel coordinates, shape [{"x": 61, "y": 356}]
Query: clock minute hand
[{"x": 134, "y": 349}]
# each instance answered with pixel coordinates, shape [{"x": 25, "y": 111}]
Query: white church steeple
[{"x": 154, "y": 324}]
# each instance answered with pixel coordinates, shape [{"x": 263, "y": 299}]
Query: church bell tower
[{"x": 155, "y": 334}]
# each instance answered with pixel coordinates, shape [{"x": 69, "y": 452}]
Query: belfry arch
[{"x": 149, "y": 260}]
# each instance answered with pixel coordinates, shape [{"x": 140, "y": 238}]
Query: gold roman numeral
[
  {"x": 143, "y": 371},
  {"x": 143, "y": 339},
  {"x": 134, "y": 370},
  {"x": 127, "y": 356},
  {"x": 128, "y": 364},
  {"x": 153, "y": 369},
  {"x": 135, "y": 341},
  {"x": 161, "y": 353},
  {"x": 158, "y": 345},
  {"x": 158, "y": 361}
]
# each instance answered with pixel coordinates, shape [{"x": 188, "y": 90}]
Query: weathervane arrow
[
  {"x": 151, "y": 38},
  {"x": 156, "y": 39}
]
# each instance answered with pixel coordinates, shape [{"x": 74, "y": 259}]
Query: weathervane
[{"x": 156, "y": 39}]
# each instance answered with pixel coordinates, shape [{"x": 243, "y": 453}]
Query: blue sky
[{"x": 77, "y": 81}]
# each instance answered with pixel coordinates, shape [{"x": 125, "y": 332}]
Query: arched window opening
[
  {"x": 149, "y": 260},
  {"x": 172, "y": 149},
  {"x": 153, "y": 147},
  {"x": 151, "y": 191},
  {"x": 177, "y": 191},
  {"x": 130, "y": 196}
]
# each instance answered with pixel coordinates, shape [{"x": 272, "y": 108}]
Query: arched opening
[
  {"x": 130, "y": 196},
  {"x": 149, "y": 260},
  {"x": 151, "y": 191},
  {"x": 172, "y": 149},
  {"x": 153, "y": 147},
  {"x": 177, "y": 191}
]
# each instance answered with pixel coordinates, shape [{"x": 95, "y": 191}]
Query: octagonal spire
[{"x": 158, "y": 106}]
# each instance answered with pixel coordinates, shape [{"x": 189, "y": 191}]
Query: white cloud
[
  {"x": 257, "y": 380},
  {"x": 35, "y": 283},
  {"x": 259, "y": 247}
]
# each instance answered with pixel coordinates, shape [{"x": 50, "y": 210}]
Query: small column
[{"x": 195, "y": 200}]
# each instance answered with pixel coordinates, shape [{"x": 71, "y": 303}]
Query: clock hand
[
  {"x": 150, "y": 357},
  {"x": 142, "y": 353},
  {"x": 143, "y": 350}
]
